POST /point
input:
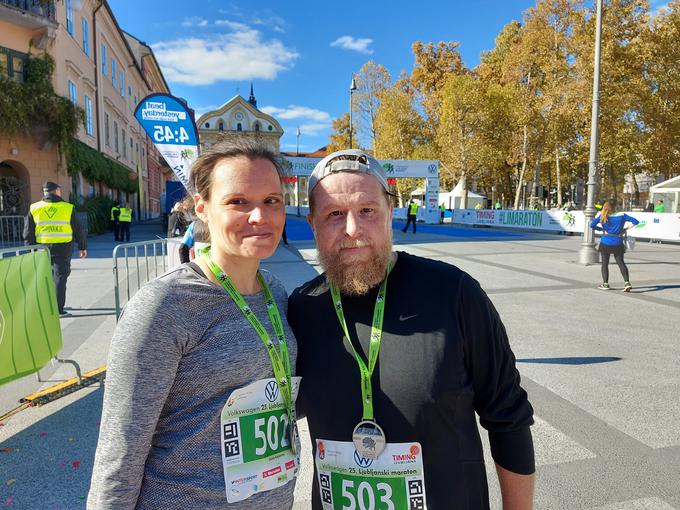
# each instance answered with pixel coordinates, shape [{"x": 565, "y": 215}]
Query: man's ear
[{"x": 311, "y": 223}]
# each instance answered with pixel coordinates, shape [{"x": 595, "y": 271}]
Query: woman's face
[{"x": 245, "y": 213}]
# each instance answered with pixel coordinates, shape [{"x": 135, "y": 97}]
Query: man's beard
[{"x": 357, "y": 277}]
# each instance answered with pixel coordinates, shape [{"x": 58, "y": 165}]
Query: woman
[
  {"x": 613, "y": 225},
  {"x": 199, "y": 396}
]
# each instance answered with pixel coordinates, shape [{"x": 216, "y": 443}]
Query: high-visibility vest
[
  {"x": 125, "y": 215},
  {"x": 113, "y": 209},
  {"x": 412, "y": 209},
  {"x": 442, "y": 208},
  {"x": 52, "y": 222}
]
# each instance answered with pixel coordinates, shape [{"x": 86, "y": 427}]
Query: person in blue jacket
[{"x": 613, "y": 226}]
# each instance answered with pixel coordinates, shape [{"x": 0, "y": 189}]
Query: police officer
[
  {"x": 115, "y": 221},
  {"x": 125, "y": 218},
  {"x": 442, "y": 211},
  {"x": 411, "y": 215},
  {"x": 53, "y": 222}
]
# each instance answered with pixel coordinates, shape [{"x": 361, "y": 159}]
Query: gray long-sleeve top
[{"x": 181, "y": 347}]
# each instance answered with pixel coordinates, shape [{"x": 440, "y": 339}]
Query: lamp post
[
  {"x": 588, "y": 255},
  {"x": 297, "y": 134},
  {"x": 352, "y": 88}
]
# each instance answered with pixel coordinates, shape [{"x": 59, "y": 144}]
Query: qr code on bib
[
  {"x": 416, "y": 501},
  {"x": 230, "y": 434},
  {"x": 325, "y": 482}
]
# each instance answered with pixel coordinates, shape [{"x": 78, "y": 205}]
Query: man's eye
[
  {"x": 335, "y": 214},
  {"x": 367, "y": 210}
]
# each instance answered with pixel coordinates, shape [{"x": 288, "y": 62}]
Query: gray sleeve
[{"x": 143, "y": 358}]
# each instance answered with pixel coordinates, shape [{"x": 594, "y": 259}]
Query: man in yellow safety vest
[
  {"x": 53, "y": 222},
  {"x": 411, "y": 215},
  {"x": 125, "y": 218},
  {"x": 115, "y": 221}
]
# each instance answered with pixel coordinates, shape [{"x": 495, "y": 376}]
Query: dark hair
[{"x": 201, "y": 174}]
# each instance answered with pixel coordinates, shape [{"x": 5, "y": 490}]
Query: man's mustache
[{"x": 354, "y": 243}]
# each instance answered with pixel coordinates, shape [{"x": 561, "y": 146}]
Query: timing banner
[
  {"x": 30, "y": 334},
  {"x": 170, "y": 126}
]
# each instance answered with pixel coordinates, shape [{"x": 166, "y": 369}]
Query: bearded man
[{"x": 397, "y": 353}]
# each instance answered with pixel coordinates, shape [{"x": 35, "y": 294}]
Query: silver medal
[{"x": 369, "y": 439}]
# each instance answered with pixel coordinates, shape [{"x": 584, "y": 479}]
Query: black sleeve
[
  {"x": 183, "y": 253},
  {"x": 293, "y": 301},
  {"x": 500, "y": 401},
  {"x": 29, "y": 230},
  {"x": 78, "y": 232},
  {"x": 116, "y": 214}
]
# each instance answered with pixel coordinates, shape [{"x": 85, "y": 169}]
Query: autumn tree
[
  {"x": 371, "y": 81},
  {"x": 339, "y": 138}
]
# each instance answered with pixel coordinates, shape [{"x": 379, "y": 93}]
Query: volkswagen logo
[
  {"x": 271, "y": 391},
  {"x": 432, "y": 169},
  {"x": 362, "y": 461}
]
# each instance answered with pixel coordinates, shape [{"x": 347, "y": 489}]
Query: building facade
[{"x": 102, "y": 70}]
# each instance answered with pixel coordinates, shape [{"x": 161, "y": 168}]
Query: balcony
[{"x": 31, "y": 14}]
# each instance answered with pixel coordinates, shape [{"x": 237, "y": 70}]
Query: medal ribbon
[
  {"x": 280, "y": 360},
  {"x": 374, "y": 346}
]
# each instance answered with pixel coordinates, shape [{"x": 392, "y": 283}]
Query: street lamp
[
  {"x": 588, "y": 255},
  {"x": 297, "y": 133},
  {"x": 352, "y": 88}
]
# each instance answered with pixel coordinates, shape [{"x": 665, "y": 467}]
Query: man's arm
[
  {"x": 517, "y": 490},
  {"x": 79, "y": 234},
  {"x": 29, "y": 230}
]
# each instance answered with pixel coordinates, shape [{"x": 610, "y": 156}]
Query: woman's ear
[{"x": 200, "y": 208}]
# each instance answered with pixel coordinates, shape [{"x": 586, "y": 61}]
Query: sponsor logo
[
  {"x": 290, "y": 464},
  {"x": 569, "y": 219},
  {"x": 271, "y": 391},
  {"x": 414, "y": 450},
  {"x": 51, "y": 211},
  {"x": 242, "y": 480},
  {"x": 403, "y": 318},
  {"x": 432, "y": 169},
  {"x": 271, "y": 472},
  {"x": 389, "y": 168},
  {"x": 230, "y": 402},
  {"x": 403, "y": 459},
  {"x": 321, "y": 450},
  {"x": 362, "y": 461}
]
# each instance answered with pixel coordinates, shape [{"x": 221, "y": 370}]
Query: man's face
[{"x": 352, "y": 224}]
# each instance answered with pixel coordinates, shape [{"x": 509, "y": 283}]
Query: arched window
[
  {"x": 239, "y": 127},
  {"x": 257, "y": 126},
  {"x": 207, "y": 124},
  {"x": 221, "y": 126},
  {"x": 270, "y": 127}
]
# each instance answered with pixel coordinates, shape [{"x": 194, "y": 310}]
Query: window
[
  {"x": 239, "y": 127},
  {"x": 269, "y": 128},
  {"x": 122, "y": 83},
  {"x": 221, "y": 126},
  {"x": 124, "y": 144},
  {"x": 115, "y": 136},
  {"x": 107, "y": 133},
  {"x": 86, "y": 37},
  {"x": 12, "y": 64},
  {"x": 113, "y": 72},
  {"x": 88, "y": 116},
  {"x": 104, "y": 59},
  {"x": 72, "y": 92},
  {"x": 136, "y": 152},
  {"x": 257, "y": 126},
  {"x": 69, "y": 17}
]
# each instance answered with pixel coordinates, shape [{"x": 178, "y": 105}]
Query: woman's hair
[
  {"x": 607, "y": 209},
  {"x": 201, "y": 174}
]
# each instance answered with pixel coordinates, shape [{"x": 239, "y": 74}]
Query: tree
[
  {"x": 339, "y": 138},
  {"x": 371, "y": 81}
]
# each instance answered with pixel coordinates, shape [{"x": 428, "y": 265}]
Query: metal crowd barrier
[
  {"x": 134, "y": 264},
  {"x": 11, "y": 230}
]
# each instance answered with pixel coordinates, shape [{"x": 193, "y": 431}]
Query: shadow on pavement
[
  {"x": 571, "y": 360},
  {"x": 57, "y": 451},
  {"x": 653, "y": 288}
]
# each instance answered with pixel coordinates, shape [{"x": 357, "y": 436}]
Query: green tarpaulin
[{"x": 30, "y": 334}]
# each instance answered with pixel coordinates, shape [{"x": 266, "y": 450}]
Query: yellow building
[
  {"x": 239, "y": 118},
  {"x": 98, "y": 69}
]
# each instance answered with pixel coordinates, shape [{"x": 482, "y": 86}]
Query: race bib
[
  {"x": 256, "y": 432},
  {"x": 348, "y": 481}
]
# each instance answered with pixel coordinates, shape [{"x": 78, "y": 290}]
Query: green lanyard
[
  {"x": 374, "y": 347},
  {"x": 280, "y": 360}
]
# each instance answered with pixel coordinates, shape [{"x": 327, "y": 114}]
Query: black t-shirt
[{"x": 444, "y": 356}]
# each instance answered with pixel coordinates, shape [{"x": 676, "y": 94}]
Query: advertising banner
[
  {"x": 170, "y": 126},
  {"x": 394, "y": 168},
  {"x": 662, "y": 226},
  {"x": 30, "y": 334}
]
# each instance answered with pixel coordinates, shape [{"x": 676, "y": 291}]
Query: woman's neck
[{"x": 242, "y": 271}]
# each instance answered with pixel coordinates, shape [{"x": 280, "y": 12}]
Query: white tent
[
  {"x": 670, "y": 193},
  {"x": 453, "y": 199}
]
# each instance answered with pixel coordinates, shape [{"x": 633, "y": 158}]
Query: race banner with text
[
  {"x": 30, "y": 334},
  {"x": 169, "y": 124}
]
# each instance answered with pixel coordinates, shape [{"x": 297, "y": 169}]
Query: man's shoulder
[
  {"x": 313, "y": 288},
  {"x": 422, "y": 266}
]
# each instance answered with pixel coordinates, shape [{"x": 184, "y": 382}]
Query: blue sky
[{"x": 300, "y": 55}]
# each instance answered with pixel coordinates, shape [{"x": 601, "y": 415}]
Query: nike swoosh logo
[{"x": 402, "y": 318}]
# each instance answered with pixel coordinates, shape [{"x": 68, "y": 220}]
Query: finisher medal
[{"x": 369, "y": 439}]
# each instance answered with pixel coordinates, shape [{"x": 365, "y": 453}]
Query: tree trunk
[
  {"x": 520, "y": 181},
  {"x": 533, "y": 201}
]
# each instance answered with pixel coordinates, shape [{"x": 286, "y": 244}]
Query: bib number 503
[
  {"x": 272, "y": 436},
  {"x": 364, "y": 496}
]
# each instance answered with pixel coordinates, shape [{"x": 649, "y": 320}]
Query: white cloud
[
  {"x": 350, "y": 43},
  {"x": 199, "y": 111},
  {"x": 233, "y": 25},
  {"x": 312, "y": 128},
  {"x": 238, "y": 55},
  {"x": 195, "y": 21},
  {"x": 296, "y": 112}
]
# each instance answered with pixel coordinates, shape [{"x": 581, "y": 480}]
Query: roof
[
  {"x": 226, "y": 106},
  {"x": 670, "y": 186},
  {"x": 318, "y": 153}
]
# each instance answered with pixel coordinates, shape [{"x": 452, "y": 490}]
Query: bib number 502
[
  {"x": 267, "y": 430},
  {"x": 364, "y": 496}
]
